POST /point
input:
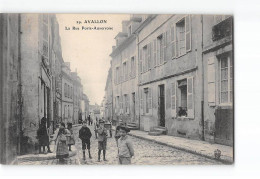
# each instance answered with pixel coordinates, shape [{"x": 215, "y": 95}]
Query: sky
[{"x": 88, "y": 50}]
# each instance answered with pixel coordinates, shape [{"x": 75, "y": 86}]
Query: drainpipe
[
  {"x": 202, "y": 77},
  {"x": 138, "y": 92},
  {"x": 20, "y": 98}
]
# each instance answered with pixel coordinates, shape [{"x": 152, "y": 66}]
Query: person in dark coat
[
  {"x": 42, "y": 136},
  {"x": 85, "y": 135}
]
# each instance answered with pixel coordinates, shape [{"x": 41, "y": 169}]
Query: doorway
[{"x": 161, "y": 106}]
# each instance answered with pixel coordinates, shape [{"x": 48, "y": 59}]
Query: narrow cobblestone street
[{"x": 146, "y": 153}]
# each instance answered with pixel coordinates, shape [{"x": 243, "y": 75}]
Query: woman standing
[
  {"x": 71, "y": 139},
  {"x": 62, "y": 151}
]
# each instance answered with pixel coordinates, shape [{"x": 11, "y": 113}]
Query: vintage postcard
[{"x": 116, "y": 89}]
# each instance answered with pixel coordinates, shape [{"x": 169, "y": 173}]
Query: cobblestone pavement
[{"x": 146, "y": 153}]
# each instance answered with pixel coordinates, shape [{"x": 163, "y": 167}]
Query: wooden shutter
[
  {"x": 154, "y": 53},
  {"x": 173, "y": 99},
  {"x": 157, "y": 52},
  {"x": 211, "y": 82},
  {"x": 134, "y": 68},
  {"x": 173, "y": 41},
  {"x": 140, "y": 61},
  {"x": 164, "y": 46},
  {"x": 141, "y": 102},
  {"x": 150, "y": 102},
  {"x": 149, "y": 56},
  {"x": 168, "y": 46},
  {"x": 190, "y": 98},
  {"x": 188, "y": 32}
]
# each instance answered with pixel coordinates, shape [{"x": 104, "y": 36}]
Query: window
[
  {"x": 145, "y": 58},
  {"x": 146, "y": 100},
  {"x": 117, "y": 75},
  {"x": 125, "y": 71},
  {"x": 180, "y": 40},
  {"x": 182, "y": 106},
  {"x": 226, "y": 79},
  {"x": 160, "y": 48},
  {"x": 182, "y": 37},
  {"x": 132, "y": 66},
  {"x": 65, "y": 89},
  {"x": 126, "y": 104}
]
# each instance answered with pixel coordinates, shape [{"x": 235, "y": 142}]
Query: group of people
[{"x": 64, "y": 139}]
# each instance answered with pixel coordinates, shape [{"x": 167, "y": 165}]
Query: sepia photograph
[{"x": 116, "y": 89}]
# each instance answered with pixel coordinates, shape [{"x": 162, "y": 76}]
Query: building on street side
[
  {"x": 67, "y": 94},
  {"x": 218, "y": 60}
]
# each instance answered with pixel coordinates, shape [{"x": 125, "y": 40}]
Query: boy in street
[
  {"x": 85, "y": 135},
  {"x": 102, "y": 140},
  {"x": 125, "y": 147}
]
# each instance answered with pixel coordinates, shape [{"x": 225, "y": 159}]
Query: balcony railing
[{"x": 222, "y": 29}]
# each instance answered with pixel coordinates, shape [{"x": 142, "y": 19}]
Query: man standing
[
  {"x": 102, "y": 140},
  {"x": 125, "y": 147},
  {"x": 85, "y": 135}
]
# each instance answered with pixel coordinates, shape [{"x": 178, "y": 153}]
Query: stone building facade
[
  {"x": 124, "y": 72},
  {"x": 10, "y": 88},
  {"x": 108, "y": 99},
  {"x": 67, "y": 94},
  {"x": 77, "y": 99},
  {"x": 178, "y": 87}
]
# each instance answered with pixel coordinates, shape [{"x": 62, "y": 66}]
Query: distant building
[
  {"x": 77, "y": 100},
  {"x": 67, "y": 94},
  {"x": 108, "y": 102}
]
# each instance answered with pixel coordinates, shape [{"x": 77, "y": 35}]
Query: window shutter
[
  {"x": 150, "y": 100},
  {"x": 164, "y": 46},
  {"x": 188, "y": 32},
  {"x": 140, "y": 61},
  {"x": 173, "y": 41},
  {"x": 211, "y": 82},
  {"x": 190, "y": 97},
  {"x": 157, "y": 52},
  {"x": 173, "y": 99},
  {"x": 134, "y": 68},
  {"x": 141, "y": 102},
  {"x": 168, "y": 46},
  {"x": 154, "y": 53},
  {"x": 149, "y": 56}
]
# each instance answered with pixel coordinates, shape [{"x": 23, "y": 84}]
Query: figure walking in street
[
  {"x": 85, "y": 135},
  {"x": 102, "y": 140},
  {"x": 117, "y": 133},
  {"x": 42, "y": 135},
  {"x": 71, "y": 139},
  {"x": 125, "y": 147},
  {"x": 62, "y": 150},
  {"x": 89, "y": 120}
]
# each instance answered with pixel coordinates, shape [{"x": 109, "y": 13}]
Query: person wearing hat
[
  {"x": 125, "y": 147},
  {"x": 102, "y": 140},
  {"x": 85, "y": 135}
]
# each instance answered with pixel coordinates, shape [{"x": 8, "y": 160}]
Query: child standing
[
  {"x": 71, "y": 139},
  {"x": 62, "y": 151},
  {"x": 125, "y": 147},
  {"x": 102, "y": 140},
  {"x": 85, "y": 135}
]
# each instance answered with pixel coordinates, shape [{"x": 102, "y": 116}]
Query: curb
[
  {"x": 41, "y": 158},
  {"x": 224, "y": 161}
]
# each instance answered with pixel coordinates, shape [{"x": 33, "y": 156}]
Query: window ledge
[{"x": 183, "y": 118}]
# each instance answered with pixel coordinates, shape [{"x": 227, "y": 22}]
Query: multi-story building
[
  {"x": 10, "y": 88},
  {"x": 108, "y": 108},
  {"x": 57, "y": 62},
  {"x": 124, "y": 75},
  {"x": 218, "y": 60},
  {"x": 67, "y": 93},
  {"x": 86, "y": 107},
  {"x": 185, "y": 75},
  {"x": 77, "y": 90}
]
